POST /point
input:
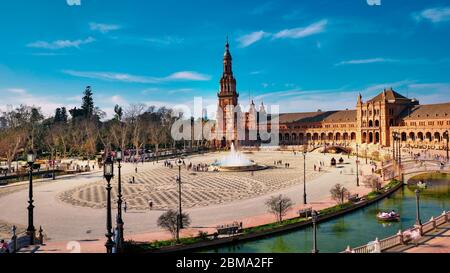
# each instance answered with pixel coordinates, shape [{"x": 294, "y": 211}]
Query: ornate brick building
[{"x": 372, "y": 122}]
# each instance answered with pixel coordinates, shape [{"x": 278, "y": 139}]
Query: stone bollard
[
  {"x": 420, "y": 228},
  {"x": 377, "y": 246},
  {"x": 14, "y": 240},
  {"x": 433, "y": 221},
  {"x": 348, "y": 250},
  {"x": 400, "y": 236}
]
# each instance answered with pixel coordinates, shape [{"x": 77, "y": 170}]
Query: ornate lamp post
[
  {"x": 314, "y": 222},
  {"x": 119, "y": 221},
  {"x": 446, "y": 146},
  {"x": 179, "y": 163},
  {"x": 108, "y": 170},
  {"x": 365, "y": 154},
  {"x": 357, "y": 166},
  {"x": 418, "y": 221},
  {"x": 31, "y": 230},
  {"x": 393, "y": 147},
  {"x": 304, "y": 178},
  {"x": 54, "y": 165}
]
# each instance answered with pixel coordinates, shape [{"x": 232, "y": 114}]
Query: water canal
[{"x": 359, "y": 227}]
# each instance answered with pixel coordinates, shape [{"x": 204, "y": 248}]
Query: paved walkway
[
  {"x": 437, "y": 242},
  {"x": 65, "y": 222}
]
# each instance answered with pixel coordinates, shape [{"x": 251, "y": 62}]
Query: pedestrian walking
[
  {"x": 150, "y": 204},
  {"x": 125, "y": 207},
  {"x": 4, "y": 246}
]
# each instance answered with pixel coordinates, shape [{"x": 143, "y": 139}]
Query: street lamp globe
[
  {"x": 108, "y": 168},
  {"x": 31, "y": 157},
  {"x": 119, "y": 155},
  {"x": 179, "y": 162}
]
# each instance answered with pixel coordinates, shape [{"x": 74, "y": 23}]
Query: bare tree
[
  {"x": 279, "y": 206},
  {"x": 134, "y": 120},
  {"x": 339, "y": 193},
  {"x": 169, "y": 221},
  {"x": 18, "y": 132},
  {"x": 372, "y": 182}
]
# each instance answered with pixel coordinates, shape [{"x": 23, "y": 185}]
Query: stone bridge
[{"x": 411, "y": 168}]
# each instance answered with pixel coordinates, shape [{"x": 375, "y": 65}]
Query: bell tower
[{"x": 228, "y": 100}]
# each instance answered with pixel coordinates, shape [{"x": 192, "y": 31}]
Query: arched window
[
  {"x": 420, "y": 136},
  {"x": 316, "y": 136},
  {"x": 403, "y": 136},
  {"x": 370, "y": 123},
  {"x": 377, "y": 123},
  {"x": 345, "y": 136},
  {"x": 294, "y": 136},
  {"x": 437, "y": 137},
  {"x": 286, "y": 137}
]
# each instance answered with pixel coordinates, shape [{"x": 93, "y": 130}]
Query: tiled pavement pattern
[{"x": 157, "y": 183}]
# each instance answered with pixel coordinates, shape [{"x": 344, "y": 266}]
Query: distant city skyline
[{"x": 301, "y": 56}]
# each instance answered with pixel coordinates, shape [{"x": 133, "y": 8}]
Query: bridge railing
[{"x": 402, "y": 238}]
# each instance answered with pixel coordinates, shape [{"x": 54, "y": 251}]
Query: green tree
[
  {"x": 64, "y": 115},
  {"x": 118, "y": 112},
  {"x": 88, "y": 103}
]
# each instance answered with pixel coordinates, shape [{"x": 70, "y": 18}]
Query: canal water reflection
[{"x": 357, "y": 228}]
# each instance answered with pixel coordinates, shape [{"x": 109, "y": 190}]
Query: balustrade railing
[{"x": 411, "y": 235}]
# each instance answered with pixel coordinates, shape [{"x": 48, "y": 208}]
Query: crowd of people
[{"x": 280, "y": 163}]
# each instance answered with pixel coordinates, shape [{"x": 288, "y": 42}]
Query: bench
[
  {"x": 305, "y": 213},
  {"x": 354, "y": 198}
]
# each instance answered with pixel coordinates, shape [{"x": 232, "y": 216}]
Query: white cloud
[
  {"x": 252, "y": 38},
  {"x": 165, "y": 41},
  {"x": 118, "y": 100},
  {"x": 301, "y": 32},
  {"x": 123, "y": 77},
  {"x": 111, "y": 76},
  {"x": 60, "y": 44},
  {"x": 73, "y": 2},
  {"x": 294, "y": 33},
  {"x": 366, "y": 61},
  {"x": 18, "y": 91},
  {"x": 188, "y": 75},
  {"x": 257, "y": 72},
  {"x": 103, "y": 28},
  {"x": 434, "y": 15},
  {"x": 14, "y": 97}
]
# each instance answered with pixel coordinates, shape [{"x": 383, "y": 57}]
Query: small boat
[{"x": 388, "y": 216}]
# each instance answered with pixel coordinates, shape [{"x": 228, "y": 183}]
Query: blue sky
[{"x": 302, "y": 55}]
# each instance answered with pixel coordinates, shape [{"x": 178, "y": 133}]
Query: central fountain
[{"x": 237, "y": 162}]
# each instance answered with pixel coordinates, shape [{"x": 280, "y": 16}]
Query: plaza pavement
[
  {"x": 64, "y": 222},
  {"x": 435, "y": 243}
]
